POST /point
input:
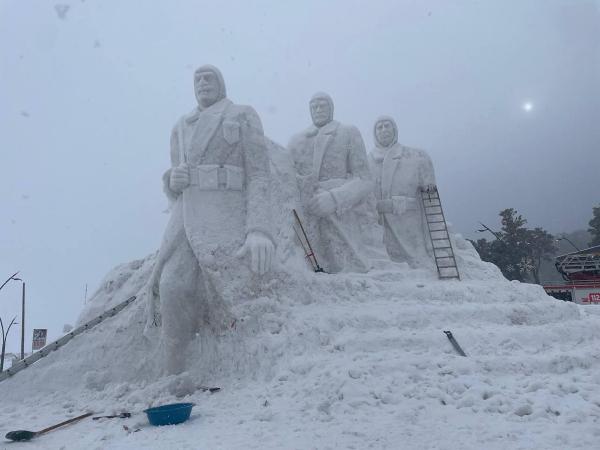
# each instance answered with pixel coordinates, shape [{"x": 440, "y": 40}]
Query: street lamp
[
  {"x": 14, "y": 277},
  {"x": 22, "y": 316},
  {"x": 4, "y": 338},
  {"x": 564, "y": 238}
]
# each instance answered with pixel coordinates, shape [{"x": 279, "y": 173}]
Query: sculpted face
[
  {"x": 320, "y": 111},
  {"x": 207, "y": 87},
  {"x": 385, "y": 133}
]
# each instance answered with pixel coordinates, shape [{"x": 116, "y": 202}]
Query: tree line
[{"x": 519, "y": 251}]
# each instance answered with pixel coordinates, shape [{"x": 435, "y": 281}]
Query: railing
[{"x": 571, "y": 284}]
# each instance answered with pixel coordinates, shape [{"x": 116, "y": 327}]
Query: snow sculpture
[
  {"x": 218, "y": 186},
  {"x": 333, "y": 178},
  {"x": 400, "y": 172}
]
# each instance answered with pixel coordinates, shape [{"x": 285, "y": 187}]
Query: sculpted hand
[
  {"x": 261, "y": 251},
  {"x": 322, "y": 204},
  {"x": 385, "y": 206},
  {"x": 180, "y": 178}
]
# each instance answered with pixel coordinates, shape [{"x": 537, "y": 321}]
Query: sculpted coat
[
  {"x": 332, "y": 160},
  {"x": 400, "y": 172},
  {"x": 226, "y": 143},
  {"x": 221, "y": 205}
]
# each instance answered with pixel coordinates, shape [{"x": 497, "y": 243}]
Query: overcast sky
[{"x": 503, "y": 94}]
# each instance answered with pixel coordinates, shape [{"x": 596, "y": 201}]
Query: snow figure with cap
[
  {"x": 400, "y": 172},
  {"x": 333, "y": 176},
  {"x": 218, "y": 187}
]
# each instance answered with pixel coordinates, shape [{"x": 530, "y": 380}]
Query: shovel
[
  {"x": 123, "y": 415},
  {"x": 24, "y": 435}
]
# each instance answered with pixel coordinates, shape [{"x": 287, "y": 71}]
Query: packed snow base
[
  {"x": 334, "y": 361},
  {"x": 329, "y": 361}
]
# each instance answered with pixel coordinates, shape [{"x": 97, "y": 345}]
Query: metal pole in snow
[{"x": 23, "y": 322}]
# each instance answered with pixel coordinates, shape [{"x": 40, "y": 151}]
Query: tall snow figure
[
  {"x": 334, "y": 178},
  {"x": 219, "y": 188},
  {"x": 400, "y": 172}
]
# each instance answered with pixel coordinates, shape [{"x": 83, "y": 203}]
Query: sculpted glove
[
  {"x": 180, "y": 178},
  {"x": 322, "y": 204},
  {"x": 261, "y": 251}
]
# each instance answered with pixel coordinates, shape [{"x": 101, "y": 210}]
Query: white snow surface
[{"x": 331, "y": 361}]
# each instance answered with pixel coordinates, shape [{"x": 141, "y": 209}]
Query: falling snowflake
[{"x": 61, "y": 10}]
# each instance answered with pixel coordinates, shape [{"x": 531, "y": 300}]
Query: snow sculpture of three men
[
  {"x": 333, "y": 177},
  {"x": 219, "y": 188},
  {"x": 400, "y": 173}
]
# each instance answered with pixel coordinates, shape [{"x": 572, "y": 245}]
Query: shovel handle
[
  {"x": 66, "y": 422},
  {"x": 123, "y": 415}
]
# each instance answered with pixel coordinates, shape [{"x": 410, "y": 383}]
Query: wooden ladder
[{"x": 443, "y": 252}]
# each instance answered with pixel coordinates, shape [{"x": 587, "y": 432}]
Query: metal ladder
[
  {"x": 24, "y": 363},
  {"x": 443, "y": 253}
]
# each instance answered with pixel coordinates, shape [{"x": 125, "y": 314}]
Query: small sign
[
  {"x": 39, "y": 338},
  {"x": 594, "y": 297}
]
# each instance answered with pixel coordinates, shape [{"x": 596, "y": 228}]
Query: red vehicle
[{"x": 581, "y": 272}]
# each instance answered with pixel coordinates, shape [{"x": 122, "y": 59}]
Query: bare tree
[{"x": 4, "y": 336}]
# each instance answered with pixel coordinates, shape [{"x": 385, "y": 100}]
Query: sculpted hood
[
  {"x": 326, "y": 97},
  {"x": 218, "y": 75},
  {"x": 382, "y": 119}
]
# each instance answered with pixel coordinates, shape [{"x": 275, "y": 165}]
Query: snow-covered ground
[{"x": 334, "y": 361}]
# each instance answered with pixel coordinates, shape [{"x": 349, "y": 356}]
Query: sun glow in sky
[{"x": 527, "y": 106}]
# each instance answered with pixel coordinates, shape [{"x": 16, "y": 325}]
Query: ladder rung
[
  {"x": 444, "y": 258},
  {"x": 437, "y": 229}
]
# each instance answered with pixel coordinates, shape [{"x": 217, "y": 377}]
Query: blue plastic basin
[{"x": 171, "y": 414}]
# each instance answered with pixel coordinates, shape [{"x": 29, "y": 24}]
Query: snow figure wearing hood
[
  {"x": 334, "y": 178},
  {"x": 400, "y": 172},
  {"x": 218, "y": 186}
]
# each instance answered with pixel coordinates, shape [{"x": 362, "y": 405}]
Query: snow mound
[
  {"x": 332, "y": 361},
  {"x": 329, "y": 361}
]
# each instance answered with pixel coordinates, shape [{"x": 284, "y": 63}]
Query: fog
[{"x": 504, "y": 95}]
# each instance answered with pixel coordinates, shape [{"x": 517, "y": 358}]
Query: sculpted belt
[
  {"x": 332, "y": 183},
  {"x": 210, "y": 177}
]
